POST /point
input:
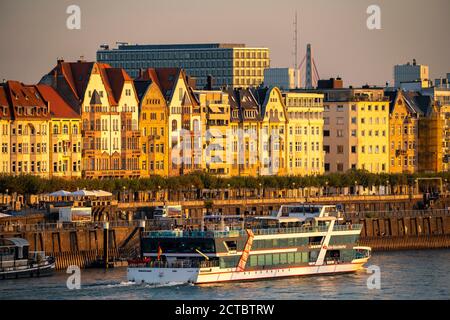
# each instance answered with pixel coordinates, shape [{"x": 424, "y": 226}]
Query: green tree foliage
[{"x": 27, "y": 184}]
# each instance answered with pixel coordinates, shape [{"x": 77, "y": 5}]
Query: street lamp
[
  {"x": 326, "y": 188},
  {"x": 356, "y": 184},
  {"x": 387, "y": 186},
  {"x": 293, "y": 187}
]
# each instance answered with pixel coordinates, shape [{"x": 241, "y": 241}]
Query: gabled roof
[
  {"x": 116, "y": 80},
  {"x": 20, "y": 95},
  {"x": 4, "y": 105},
  {"x": 70, "y": 79},
  {"x": 166, "y": 79},
  {"x": 58, "y": 107}
]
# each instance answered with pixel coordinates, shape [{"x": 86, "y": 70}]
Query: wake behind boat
[{"x": 298, "y": 240}]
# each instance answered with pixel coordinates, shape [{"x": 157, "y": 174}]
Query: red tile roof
[
  {"x": 26, "y": 98},
  {"x": 58, "y": 107},
  {"x": 5, "y": 112}
]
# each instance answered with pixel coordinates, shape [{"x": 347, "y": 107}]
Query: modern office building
[
  {"x": 229, "y": 64},
  {"x": 411, "y": 73},
  {"x": 283, "y": 78}
]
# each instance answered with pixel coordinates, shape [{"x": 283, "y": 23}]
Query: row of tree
[{"x": 27, "y": 184}]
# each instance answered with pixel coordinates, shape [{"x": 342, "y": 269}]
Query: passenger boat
[
  {"x": 16, "y": 261},
  {"x": 296, "y": 241}
]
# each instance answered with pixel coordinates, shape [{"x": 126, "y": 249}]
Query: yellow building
[
  {"x": 108, "y": 104},
  {"x": 5, "y": 123},
  {"x": 430, "y": 135},
  {"x": 304, "y": 139},
  {"x": 272, "y": 131},
  {"x": 356, "y": 129},
  {"x": 65, "y": 135},
  {"x": 216, "y": 118},
  {"x": 245, "y": 132},
  {"x": 403, "y": 132},
  {"x": 441, "y": 98},
  {"x": 29, "y": 138},
  {"x": 153, "y": 125}
]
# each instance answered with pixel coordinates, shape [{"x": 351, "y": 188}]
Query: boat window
[{"x": 231, "y": 245}]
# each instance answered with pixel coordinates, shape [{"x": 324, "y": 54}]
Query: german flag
[{"x": 159, "y": 252}]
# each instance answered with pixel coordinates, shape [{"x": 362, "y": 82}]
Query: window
[{"x": 340, "y": 149}]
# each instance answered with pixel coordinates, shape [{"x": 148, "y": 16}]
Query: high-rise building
[
  {"x": 229, "y": 64},
  {"x": 283, "y": 78},
  {"x": 408, "y": 74}
]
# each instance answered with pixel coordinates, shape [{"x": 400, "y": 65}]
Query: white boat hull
[{"x": 215, "y": 275}]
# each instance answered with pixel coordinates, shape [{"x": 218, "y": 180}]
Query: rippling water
[{"x": 404, "y": 275}]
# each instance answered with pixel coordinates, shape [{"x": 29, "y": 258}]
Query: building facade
[
  {"x": 229, "y": 64},
  {"x": 404, "y": 117},
  {"x": 107, "y": 102},
  {"x": 153, "y": 124},
  {"x": 65, "y": 135},
  {"x": 356, "y": 129},
  {"x": 304, "y": 152},
  {"x": 215, "y": 110},
  {"x": 29, "y": 130},
  {"x": 5, "y": 123}
]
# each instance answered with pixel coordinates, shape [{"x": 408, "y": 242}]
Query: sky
[{"x": 34, "y": 34}]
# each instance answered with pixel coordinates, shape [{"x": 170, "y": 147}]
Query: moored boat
[
  {"x": 297, "y": 240},
  {"x": 16, "y": 261}
]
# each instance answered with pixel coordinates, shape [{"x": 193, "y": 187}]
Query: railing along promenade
[
  {"x": 153, "y": 224},
  {"x": 270, "y": 201}
]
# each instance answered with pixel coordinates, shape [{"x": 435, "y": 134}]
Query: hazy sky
[{"x": 33, "y": 33}]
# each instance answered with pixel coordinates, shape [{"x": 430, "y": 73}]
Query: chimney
[{"x": 414, "y": 62}]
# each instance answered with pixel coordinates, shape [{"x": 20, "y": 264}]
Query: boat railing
[
  {"x": 175, "y": 265},
  {"x": 238, "y": 233}
]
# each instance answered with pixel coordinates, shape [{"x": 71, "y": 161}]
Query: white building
[
  {"x": 408, "y": 73},
  {"x": 283, "y": 78}
]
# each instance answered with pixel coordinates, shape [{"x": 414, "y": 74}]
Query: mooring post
[
  {"x": 141, "y": 232},
  {"x": 105, "y": 243}
]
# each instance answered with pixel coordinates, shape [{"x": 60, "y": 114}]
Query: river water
[{"x": 403, "y": 275}]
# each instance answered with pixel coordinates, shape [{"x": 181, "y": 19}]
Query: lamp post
[
  {"x": 356, "y": 185},
  {"x": 387, "y": 187},
  {"x": 193, "y": 191},
  {"x": 123, "y": 193},
  {"x": 260, "y": 190},
  {"x": 293, "y": 189},
  {"x": 159, "y": 193},
  {"x": 326, "y": 188}
]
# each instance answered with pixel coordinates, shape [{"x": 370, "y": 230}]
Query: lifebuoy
[{"x": 325, "y": 247}]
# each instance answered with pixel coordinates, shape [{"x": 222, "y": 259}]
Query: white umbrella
[
  {"x": 4, "y": 215},
  {"x": 82, "y": 193},
  {"x": 60, "y": 193},
  {"x": 102, "y": 193}
]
